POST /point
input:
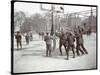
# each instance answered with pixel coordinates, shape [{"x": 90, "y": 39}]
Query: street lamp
[{"x": 52, "y": 26}]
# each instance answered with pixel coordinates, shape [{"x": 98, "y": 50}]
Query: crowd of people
[
  {"x": 68, "y": 40},
  {"x": 18, "y": 37}
]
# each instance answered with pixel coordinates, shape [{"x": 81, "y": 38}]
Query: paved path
[{"x": 32, "y": 58}]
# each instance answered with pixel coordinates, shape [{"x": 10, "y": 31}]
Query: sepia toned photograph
[{"x": 53, "y": 37}]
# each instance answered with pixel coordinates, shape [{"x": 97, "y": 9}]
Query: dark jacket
[
  {"x": 48, "y": 40},
  {"x": 70, "y": 39},
  {"x": 79, "y": 38},
  {"x": 18, "y": 37},
  {"x": 62, "y": 38}
]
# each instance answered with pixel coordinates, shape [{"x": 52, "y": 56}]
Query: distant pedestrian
[
  {"x": 27, "y": 38},
  {"x": 48, "y": 40},
  {"x": 31, "y": 37},
  {"x": 42, "y": 34},
  {"x": 89, "y": 31},
  {"x": 18, "y": 38}
]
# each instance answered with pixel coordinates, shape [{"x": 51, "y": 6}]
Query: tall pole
[
  {"x": 59, "y": 23},
  {"x": 52, "y": 26},
  {"x": 91, "y": 16},
  {"x": 91, "y": 20}
]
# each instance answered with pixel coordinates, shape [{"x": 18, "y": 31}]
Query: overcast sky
[{"x": 32, "y": 8}]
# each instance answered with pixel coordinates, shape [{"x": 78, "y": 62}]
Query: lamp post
[{"x": 52, "y": 24}]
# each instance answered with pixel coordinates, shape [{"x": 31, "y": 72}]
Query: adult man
[
  {"x": 77, "y": 43},
  {"x": 48, "y": 41},
  {"x": 31, "y": 37},
  {"x": 18, "y": 38},
  {"x": 71, "y": 45},
  {"x": 62, "y": 42},
  {"x": 27, "y": 38},
  {"x": 80, "y": 41}
]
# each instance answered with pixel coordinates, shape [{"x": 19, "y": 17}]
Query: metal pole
[
  {"x": 52, "y": 27},
  {"x": 91, "y": 16},
  {"x": 91, "y": 20}
]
